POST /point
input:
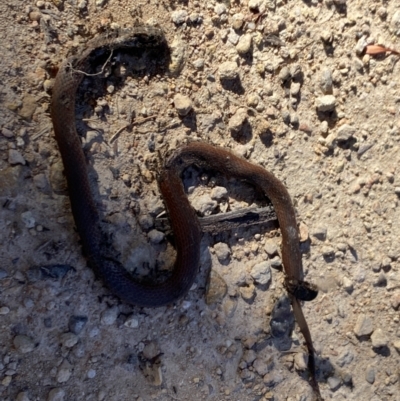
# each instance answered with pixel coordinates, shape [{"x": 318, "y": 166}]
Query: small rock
[
  {"x": 370, "y": 375},
  {"x": 261, "y": 273},
  {"x": 325, "y": 82},
  {"x": 7, "y": 133},
  {"x": 56, "y": 394},
  {"x": 156, "y": 236},
  {"x": 64, "y": 372},
  {"x": 216, "y": 288},
  {"x": 248, "y": 293},
  {"x": 261, "y": 367},
  {"x": 28, "y": 107},
  {"x": 177, "y": 56},
  {"x": 68, "y": 340},
  {"x": 23, "y": 344},
  {"x": 204, "y": 204},
  {"x": 228, "y": 70},
  {"x": 334, "y": 383},
  {"x": 319, "y": 233},
  {"x": 300, "y": 361},
  {"x": 132, "y": 323},
  {"x": 379, "y": 339},
  {"x": 284, "y": 74},
  {"x": 303, "y": 232},
  {"x": 179, "y": 16},
  {"x": 396, "y": 345},
  {"x": 183, "y": 104},
  {"x": 395, "y": 23},
  {"x": 244, "y": 44},
  {"x": 199, "y": 63},
  {"x": 347, "y": 284},
  {"x": 222, "y": 251},
  {"x": 325, "y": 103},
  {"x": 271, "y": 247},
  {"x": 364, "y": 326},
  {"x": 237, "y": 21},
  {"x": 150, "y": 351},
  {"x": 360, "y": 46},
  {"x": 77, "y": 323},
  {"x": 109, "y": 316},
  {"x": 219, "y": 193},
  {"x": 22, "y": 396},
  {"x": 345, "y": 132},
  {"x": 395, "y": 301},
  {"x": 237, "y": 120},
  {"x": 249, "y": 356},
  {"x": 15, "y": 157},
  {"x": 220, "y": 8},
  {"x": 28, "y": 219},
  {"x": 345, "y": 358}
]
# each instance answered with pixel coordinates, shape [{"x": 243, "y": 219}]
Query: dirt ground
[{"x": 303, "y": 88}]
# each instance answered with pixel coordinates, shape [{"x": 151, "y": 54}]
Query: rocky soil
[{"x": 303, "y": 88}]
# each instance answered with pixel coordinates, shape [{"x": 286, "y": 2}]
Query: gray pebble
[
  {"x": 334, "y": 383},
  {"x": 64, "y": 372},
  {"x": 156, "y": 236},
  {"x": 56, "y": 394},
  {"x": 261, "y": 273},
  {"x": 7, "y": 133},
  {"x": 204, "y": 204},
  {"x": 15, "y": 157},
  {"x": 284, "y": 74},
  {"x": 222, "y": 251},
  {"x": 22, "y": 396},
  {"x": 179, "y": 16},
  {"x": 325, "y": 82},
  {"x": 276, "y": 262},
  {"x": 109, "y": 316},
  {"x": 360, "y": 46},
  {"x": 77, "y": 323},
  {"x": 220, "y": 8},
  {"x": 261, "y": 367},
  {"x": 345, "y": 358},
  {"x": 319, "y": 233},
  {"x": 28, "y": 219},
  {"x": 347, "y": 284},
  {"x": 228, "y": 70},
  {"x": 23, "y": 344},
  {"x": 249, "y": 356},
  {"x": 68, "y": 340},
  {"x": 199, "y": 63},
  {"x": 325, "y": 103},
  {"x": 370, "y": 375},
  {"x": 345, "y": 132},
  {"x": 183, "y": 104},
  {"x": 364, "y": 326},
  {"x": 379, "y": 338}
]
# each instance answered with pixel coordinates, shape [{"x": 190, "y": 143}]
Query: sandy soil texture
[{"x": 309, "y": 90}]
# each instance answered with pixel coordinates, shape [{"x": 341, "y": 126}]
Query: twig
[
  {"x": 97, "y": 73},
  {"x": 131, "y": 124}
]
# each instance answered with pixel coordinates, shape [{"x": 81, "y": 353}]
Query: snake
[{"x": 183, "y": 218}]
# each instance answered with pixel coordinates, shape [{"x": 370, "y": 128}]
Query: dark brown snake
[{"x": 184, "y": 221}]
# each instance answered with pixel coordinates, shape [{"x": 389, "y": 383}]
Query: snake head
[{"x": 302, "y": 290}]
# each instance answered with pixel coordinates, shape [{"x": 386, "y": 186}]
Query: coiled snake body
[{"x": 183, "y": 219}]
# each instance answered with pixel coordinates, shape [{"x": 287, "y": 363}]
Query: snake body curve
[{"x": 184, "y": 221}]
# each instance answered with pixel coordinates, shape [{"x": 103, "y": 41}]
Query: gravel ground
[{"x": 289, "y": 85}]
